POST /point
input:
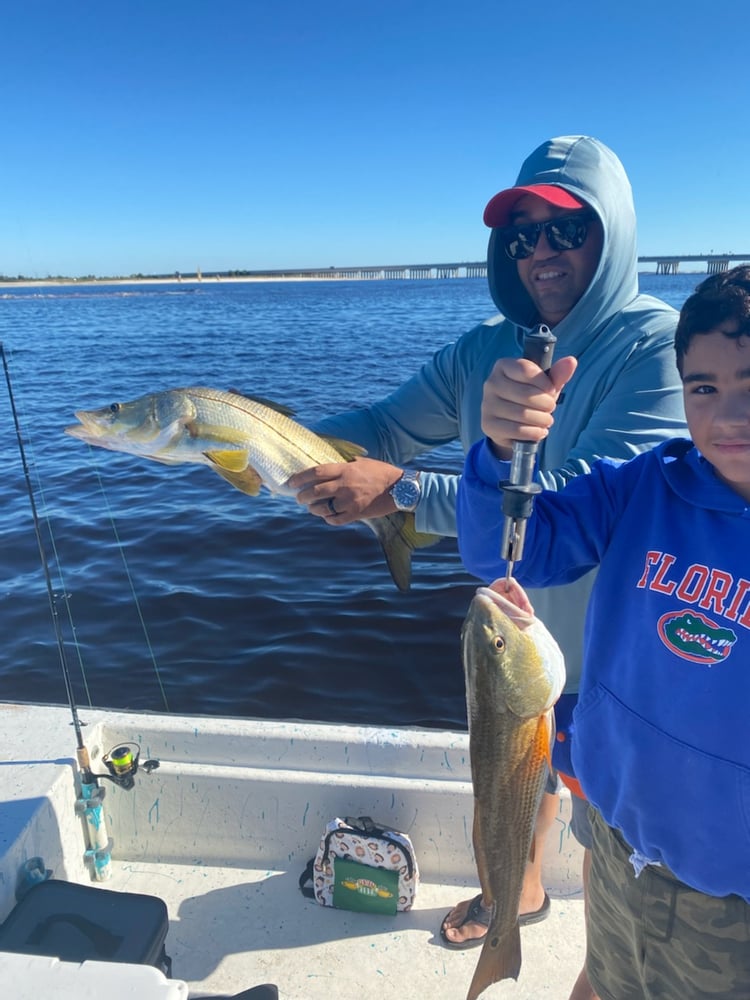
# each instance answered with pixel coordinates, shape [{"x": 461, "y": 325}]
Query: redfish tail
[{"x": 500, "y": 959}]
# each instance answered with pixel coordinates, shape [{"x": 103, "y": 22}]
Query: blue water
[{"x": 175, "y": 591}]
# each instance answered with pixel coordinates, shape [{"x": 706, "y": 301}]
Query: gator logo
[{"x": 694, "y": 637}]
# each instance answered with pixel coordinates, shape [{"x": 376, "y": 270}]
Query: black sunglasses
[{"x": 566, "y": 232}]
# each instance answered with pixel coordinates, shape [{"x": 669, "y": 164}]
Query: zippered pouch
[{"x": 362, "y": 866}]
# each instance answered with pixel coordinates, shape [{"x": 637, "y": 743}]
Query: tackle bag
[{"x": 362, "y": 866}]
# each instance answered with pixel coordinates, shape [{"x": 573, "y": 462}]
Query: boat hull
[{"x": 224, "y": 827}]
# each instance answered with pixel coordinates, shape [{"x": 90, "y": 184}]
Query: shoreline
[
  {"x": 93, "y": 282},
  {"x": 223, "y": 279}
]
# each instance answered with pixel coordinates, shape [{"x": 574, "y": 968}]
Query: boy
[{"x": 661, "y": 747}]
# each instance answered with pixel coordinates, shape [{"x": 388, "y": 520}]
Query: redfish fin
[
  {"x": 500, "y": 959},
  {"x": 547, "y": 734}
]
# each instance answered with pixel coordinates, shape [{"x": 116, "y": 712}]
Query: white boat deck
[{"x": 223, "y": 829}]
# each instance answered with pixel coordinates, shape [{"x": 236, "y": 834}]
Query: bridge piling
[{"x": 718, "y": 265}]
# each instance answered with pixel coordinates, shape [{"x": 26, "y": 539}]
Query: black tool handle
[
  {"x": 539, "y": 346},
  {"x": 520, "y": 489}
]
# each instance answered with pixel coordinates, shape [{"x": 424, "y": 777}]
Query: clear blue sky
[{"x": 155, "y": 136}]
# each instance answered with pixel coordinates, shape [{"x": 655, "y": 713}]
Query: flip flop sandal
[
  {"x": 478, "y": 914},
  {"x": 536, "y": 916},
  {"x": 475, "y": 914}
]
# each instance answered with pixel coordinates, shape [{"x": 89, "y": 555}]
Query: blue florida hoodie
[{"x": 661, "y": 746}]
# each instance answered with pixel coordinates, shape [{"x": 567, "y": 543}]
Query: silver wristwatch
[{"x": 406, "y": 491}]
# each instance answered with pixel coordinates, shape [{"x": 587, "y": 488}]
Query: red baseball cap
[{"x": 498, "y": 210}]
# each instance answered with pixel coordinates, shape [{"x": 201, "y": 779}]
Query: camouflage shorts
[{"x": 654, "y": 936}]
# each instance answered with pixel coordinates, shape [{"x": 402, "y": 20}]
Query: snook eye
[
  {"x": 499, "y": 643},
  {"x": 114, "y": 408}
]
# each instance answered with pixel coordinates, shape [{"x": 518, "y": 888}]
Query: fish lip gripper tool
[{"x": 520, "y": 489}]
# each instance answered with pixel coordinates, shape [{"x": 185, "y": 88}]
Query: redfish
[{"x": 515, "y": 672}]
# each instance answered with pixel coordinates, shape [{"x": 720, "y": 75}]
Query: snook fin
[
  {"x": 398, "y": 538},
  {"x": 500, "y": 959},
  {"x": 232, "y": 466},
  {"x": 229, "y": 459},
  {"x": 347, "y": 449},
  {"x": 286, "y": 411}
]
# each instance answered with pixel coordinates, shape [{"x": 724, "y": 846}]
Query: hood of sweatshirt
[
  {"x": 591, "y": 172},
  {"x": 695, "y": 481}
]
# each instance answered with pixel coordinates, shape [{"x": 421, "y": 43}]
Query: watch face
[{"x": 405, "y": 493}]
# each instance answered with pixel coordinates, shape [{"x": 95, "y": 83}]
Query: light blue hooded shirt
[{"x": 624, "y": 397}]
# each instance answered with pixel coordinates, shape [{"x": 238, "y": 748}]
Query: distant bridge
[
  {"x": 463, "y": 269},
  {"x": 715, "y": 263}
]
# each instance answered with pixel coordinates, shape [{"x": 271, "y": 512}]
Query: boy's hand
[{"x": 519, "y": 399}]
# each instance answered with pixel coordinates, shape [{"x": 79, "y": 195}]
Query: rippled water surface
[{"x": 175, "y": 590}]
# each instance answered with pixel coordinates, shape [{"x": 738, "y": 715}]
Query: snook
[
  {"x": 514, "y": 674},
  {"x": 249, "y": 442}
]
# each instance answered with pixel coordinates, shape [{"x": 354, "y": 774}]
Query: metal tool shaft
[{"x": 519, "y": 490}]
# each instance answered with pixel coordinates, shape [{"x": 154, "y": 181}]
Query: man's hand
[
  {"x": 343, "y": 492},
  {"x": 519, "y": 399}
]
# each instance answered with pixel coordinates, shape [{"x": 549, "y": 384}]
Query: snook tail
[{"x": 398, "y": 538}]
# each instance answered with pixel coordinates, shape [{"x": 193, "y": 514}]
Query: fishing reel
[{"x": 122, "y": 763}]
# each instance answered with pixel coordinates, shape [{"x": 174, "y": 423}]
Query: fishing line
[
  {"x": 123, "y": 760},
  {"x": 45, "y": 566},
  {"x": 58, "y": 564},
  {"x": 136, "y": 602},
  {"x": 29, "y": 446}
]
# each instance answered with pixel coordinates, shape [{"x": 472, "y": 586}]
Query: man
[{"x": 563, "y": 252}]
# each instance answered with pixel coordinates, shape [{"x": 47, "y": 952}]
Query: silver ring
[{"x": 331, "y": 507}]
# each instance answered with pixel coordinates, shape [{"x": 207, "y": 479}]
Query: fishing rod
[
  {"x": 122, "y": 761},
  {"x": 85, "y": 767}
]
